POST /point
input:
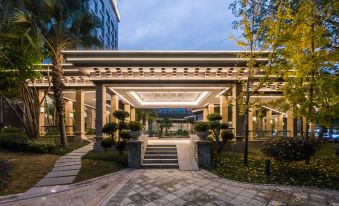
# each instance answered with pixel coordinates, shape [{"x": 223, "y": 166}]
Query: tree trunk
[{"x": 58, "y": 86}]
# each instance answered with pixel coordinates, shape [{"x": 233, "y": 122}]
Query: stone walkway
[
  {"x": 65, "y": 168},
  {"x": 174, "y": 187}
]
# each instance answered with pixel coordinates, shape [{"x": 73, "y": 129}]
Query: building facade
[{"x": 107, "y": 12}]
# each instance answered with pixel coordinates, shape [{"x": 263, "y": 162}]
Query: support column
[
  {"x": 69, "y": 117},
  {"x": 92, "y": 125},
  {"x": 237, "y": 120},
  {"x": 291, "y": 124},
  {"x": 127, "y": 108},
  {"x": 224, "y": 108},
  {"x": 304, "y": 126},
  {"x": 80, "y": 115},
  {"x": 132, "y": 114},
  {"x": 269, "y": 120},
  {"x": 100, "y": 119},
  {"x": 250, "y": 123},
  {"x": 312, "y": 130},
  {"x": 114, "y": 107},
  {"x": 42, "y": 120},
  {"x": 281, "y": 122},
  {"x": 204, "y": 114},
  {"x": 210, "y": 108}
]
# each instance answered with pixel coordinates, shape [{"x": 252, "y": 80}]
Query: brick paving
[{"x": 152, "y": 187}]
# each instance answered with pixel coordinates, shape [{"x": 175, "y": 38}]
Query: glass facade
[{"x": 108, "y": 33}]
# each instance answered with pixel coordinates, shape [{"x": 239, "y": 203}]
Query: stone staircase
[{"x": 160, "y": 156}]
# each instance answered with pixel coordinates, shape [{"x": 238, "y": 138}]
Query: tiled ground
[{"x": 174, "y": 187}]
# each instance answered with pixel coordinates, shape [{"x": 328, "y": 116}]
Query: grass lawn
[
  {"x": 28, "y": 168},
  {"x": 98, "y": 164},
  {"x": 323, "y": 170}
]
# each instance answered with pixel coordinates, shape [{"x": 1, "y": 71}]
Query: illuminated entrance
[{"x": 202, "y": 81}]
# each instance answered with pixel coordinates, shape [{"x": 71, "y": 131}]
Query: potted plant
[
  {"x": 202, "y": 129},
  {"x": 135, "y": 129}
]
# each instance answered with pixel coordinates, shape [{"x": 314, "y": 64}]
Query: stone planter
[
  {"x": 134, "y": 134},
  {"x": 202, "y": 134}
]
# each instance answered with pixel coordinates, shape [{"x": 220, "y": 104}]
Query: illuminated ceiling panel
[{"x": 171, "y": 98}]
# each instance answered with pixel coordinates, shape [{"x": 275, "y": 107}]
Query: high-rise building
[{"x": 107, "y": 12}]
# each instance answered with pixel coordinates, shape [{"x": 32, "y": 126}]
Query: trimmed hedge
[{"x": 20, "y": 142}]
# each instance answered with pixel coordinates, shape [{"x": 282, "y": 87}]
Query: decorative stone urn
[
  {"x": 202, "y": 134},
  {"x": 134, "y": 134}
]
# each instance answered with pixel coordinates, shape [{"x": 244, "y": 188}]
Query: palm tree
[
  {"x": 63, "y": 24},
  {"x": 166, "y": 123},
  {"x": 147, "y": 115}
]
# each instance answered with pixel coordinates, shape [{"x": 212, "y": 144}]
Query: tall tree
[
  {"x": 302, "y": 34},
  {"x": 251, "y": 15},
  {"x": 20, "y": 55},
  {"x": 63, "y": 24}
]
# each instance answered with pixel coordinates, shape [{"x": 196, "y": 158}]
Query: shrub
[
  {"x": 110, "y": 128},
  {"x": 135, "y": 126},
  {"x": 125, "y": 135},
  {"x": 214, "y": 117},
  {"x": 226, "y": 136},
  {"x": 13, "y": 130},
  {"x": 121, "y": 115},
  {"x": 201, "y": 127},
  {"x": 287, "y": 150},
  {"x": 223, "y": 126},
  {"x": 21, "y": 143},
  {"x": 121, "y": 146},
  {"x": 5, "y": 167},
  {"x": 107, "y": 143}
]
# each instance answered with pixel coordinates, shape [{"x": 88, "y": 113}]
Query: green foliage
[
  {"x": 20, "y": 142},
  {"x": 5, "y": 167},
  {"x": 227, "y": 136},
  {"x": 121, "y": 146},
  {"x": 12, "y": 130},
  {"x": 135, "y": 126},
  {"x": 112, "y": 156},
  {"x": 321, "y": 172},
  {"x": 122, "y": 126},
  {"x": 121, "y": 115},
  {"x": 110, "y": 128},
  {"x": 124, "y": 135},
  {"x": 287, "y": 150},
  {"x": 201, "y": 126},
  {"x": 107, "y": 143},
  {"x": 166, "y": 123},
  {"x": 214, "y": 117}
]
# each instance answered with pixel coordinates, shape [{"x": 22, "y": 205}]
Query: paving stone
[
  {"x": 55, "y": 181},
  {"x": 63, "y": 173},
  {"x": 65, "y": 168}
]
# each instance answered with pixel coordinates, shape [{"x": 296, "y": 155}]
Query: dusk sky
[{"x": 176, "y": 25}]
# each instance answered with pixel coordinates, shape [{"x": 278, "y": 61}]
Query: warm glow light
[{"x": 201, "y": 97}]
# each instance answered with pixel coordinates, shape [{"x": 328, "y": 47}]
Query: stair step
[
  {"x": 160, "y": 166},
  {"x": 161, "y": 148},
  {"x": 161, "y": 152},
  {"x": 159, "y": 161},
  {"x": 160, "y": 156},
  {"x": 160, "y": 145}
]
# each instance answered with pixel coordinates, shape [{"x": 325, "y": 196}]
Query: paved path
[
  {"x": 174, "y": 187},
  {"x": 65, "y": 168}
]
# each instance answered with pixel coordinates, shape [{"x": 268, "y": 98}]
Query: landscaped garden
[
  {"x": 24, "y": 162},
  {"x": 322, "y": 170}
]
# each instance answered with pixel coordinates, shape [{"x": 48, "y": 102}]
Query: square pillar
[
  {"x": 312, "y": 129},
  {"x": 114, "y": 107},
  {"x": 210, "y": 108},
  {"x": 41, "y": 110},
  {"x": 100, "y": 119},
  {"x": 281, "y": 122},
  {"x": 132, "y": 114},
  {"x": 237, "y": 119},
  {"x": 224, "y": 108},
  {"x": 92, "y": 116},
  {"x": 69, "y": 117},
  {"x": 127, "y": 108},
  {"x": 304, "y": 126},
  {"x": 291, "y": 124},
  {"x": 250, "y": 123},
  {"x": 204, "y": 114},
  {"x": 269, "y": 120},
  {"x": 80, "y": 114}
]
